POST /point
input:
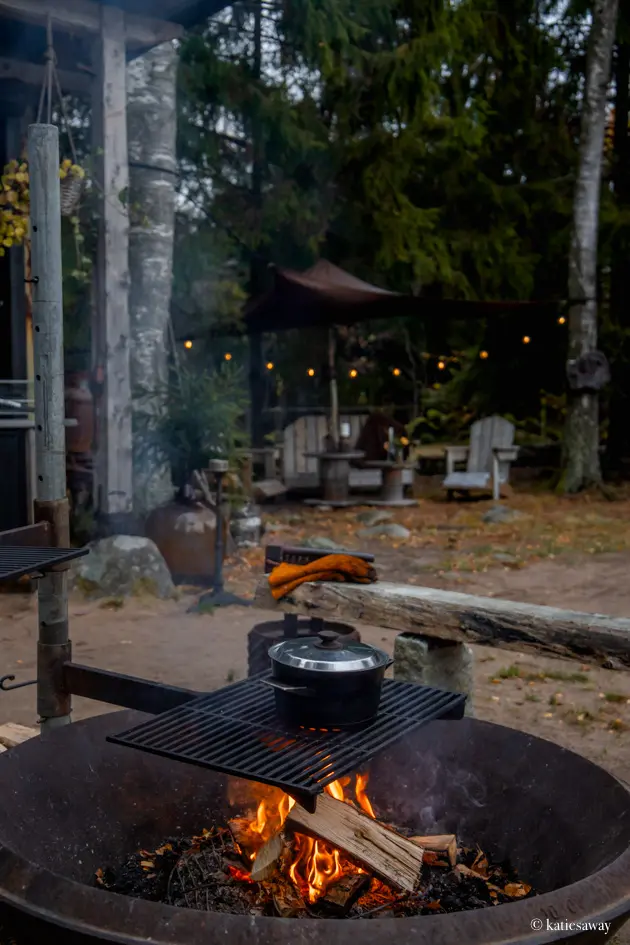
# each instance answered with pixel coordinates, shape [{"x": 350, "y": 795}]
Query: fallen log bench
[{"x": 436, "y": 627}]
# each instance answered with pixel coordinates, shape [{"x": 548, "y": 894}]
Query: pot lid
[{"x": 328, "y": 653}]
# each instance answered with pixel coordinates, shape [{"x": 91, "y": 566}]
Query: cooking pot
[{"x": 325, "y": 681}]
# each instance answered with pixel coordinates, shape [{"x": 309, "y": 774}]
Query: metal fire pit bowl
[{"x": 73, "y": 802}]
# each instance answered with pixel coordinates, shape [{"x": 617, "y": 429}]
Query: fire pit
[{"x": 74, "y": 803}]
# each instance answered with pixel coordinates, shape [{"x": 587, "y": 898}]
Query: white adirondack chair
[{"x": 487, "y": 458}]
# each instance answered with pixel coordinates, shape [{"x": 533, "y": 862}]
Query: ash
[{"x": 208, "y": 873}]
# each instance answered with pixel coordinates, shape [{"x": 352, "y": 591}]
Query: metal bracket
[{"x": 6, "y": 680}]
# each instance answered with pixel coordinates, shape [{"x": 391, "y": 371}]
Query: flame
[{"x": 315, "y": 865}]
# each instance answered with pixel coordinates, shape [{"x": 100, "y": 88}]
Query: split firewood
[
  {"x": 445, "y": 843},
  {"x": 267, "y": 858},
  {"x": 12, "y": 734},
  {"x": 288, "y": 902},
  {"x": 341, "y": 896},
  {"x": 393, "y": 858},
  {"x": 240, "y": 828},
  {"x": 202, "y": 484}
]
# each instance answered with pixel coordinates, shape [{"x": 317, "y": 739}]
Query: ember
[{"x": 339, "y": 862}]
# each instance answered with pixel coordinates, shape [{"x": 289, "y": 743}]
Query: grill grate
[
  {"x": 18, "y": 561},
  {"x": 235, "y": 730}
]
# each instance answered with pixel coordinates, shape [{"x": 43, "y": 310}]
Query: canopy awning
[{"x": 326, "y": 295}]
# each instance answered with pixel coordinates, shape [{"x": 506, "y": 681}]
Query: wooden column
[{"x": 111, "y": 328}]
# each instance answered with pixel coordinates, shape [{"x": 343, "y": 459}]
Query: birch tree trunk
[
  {"x": 152, "y": 128},
  {"x": 582, "y": 466}
]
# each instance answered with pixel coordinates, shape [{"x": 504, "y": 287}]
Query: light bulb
[
  {"x": 441, "y": 365},
  {"x": 270, "y": 365},
  {"x": 561, "y": 320},
  {"x": 526, "y": 339},
  {"x": 311, "y": 372},
  {"x": 396, "y": 372},
  {"x": 227, "y": 356},
  {"x": 353, "y": 372},
  {"x": 188, "y": 344},
  {"x": 483, "y": 354}
]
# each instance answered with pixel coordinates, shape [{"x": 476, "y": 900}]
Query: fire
[{"x": 315, "y": 864}]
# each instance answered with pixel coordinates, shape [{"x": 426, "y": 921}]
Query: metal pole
[{"x": 50, "y": 448}]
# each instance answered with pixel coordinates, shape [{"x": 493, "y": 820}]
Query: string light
[
  {"x": 561, "y": 320},
  {"x": 227, "y": 356},
  {"x": 311, "y": 372},
  {"x": 441, "y": 365},
  {"x": 526, "y": 339},
  {"x": 269, "y": 365},
  {"x": 353, "y": 372},
  {"x": 188, "y": 344},
  {"x": 396, "y": 372},
  {"x": 483, "y": 355}
]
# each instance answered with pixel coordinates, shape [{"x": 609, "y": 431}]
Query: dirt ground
[{"x": 572, "y": 554}]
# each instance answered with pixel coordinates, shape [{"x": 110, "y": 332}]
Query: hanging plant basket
[
  {"x": 72, "y": 181},
  {"x": 71, "y": 193}
]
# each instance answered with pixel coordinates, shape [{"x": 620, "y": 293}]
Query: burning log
[
  {"x": 444, "y": 843},
  {"x": 340, "y": 898},
  {"x": 393, "y": 858},
  {"x": 267, "y": 858},
  {"x": 288, "y": 903}
]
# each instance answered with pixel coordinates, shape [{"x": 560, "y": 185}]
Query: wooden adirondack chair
[{"x": 487, "y": 458}]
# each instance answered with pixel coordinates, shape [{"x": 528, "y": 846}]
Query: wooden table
[
  {"x": 463, "y": 618},
  {"x": 392, "y": 487}
]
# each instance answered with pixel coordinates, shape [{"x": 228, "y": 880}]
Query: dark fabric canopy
[{"x": 326, "y": 295}]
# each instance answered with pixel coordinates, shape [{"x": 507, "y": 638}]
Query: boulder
[
  {"x": 499, "y": 514},
  {"x": 123, "y": 565},
  {"x": 321, "y": 543},
  {"x": 374, "y": 517},
  {"x": 385, "y": 530},
  {"x": 246, "y": 526}
]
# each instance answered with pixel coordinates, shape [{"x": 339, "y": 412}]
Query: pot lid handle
[{"x": 329, "y": 640}]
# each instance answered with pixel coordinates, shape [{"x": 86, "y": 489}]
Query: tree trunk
[
  {"x": 582, "y": 466},
  {"x": 152, "y": 127},
  {"x": 618, "y": 446},
  {"x": 257, "y": 264}
]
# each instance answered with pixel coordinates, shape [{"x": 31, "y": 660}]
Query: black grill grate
[
  {"x": 18, "y": 561},
  {"x": 235, "y": 730}
]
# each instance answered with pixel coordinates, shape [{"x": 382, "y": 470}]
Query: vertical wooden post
[
  {"x": 112, "y": 328},
  {"x": 50, "y": 443}
]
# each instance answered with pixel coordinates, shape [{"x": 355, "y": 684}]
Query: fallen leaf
[{"x": 517, "y": 890}]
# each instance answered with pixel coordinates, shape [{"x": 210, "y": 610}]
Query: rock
[
  {"x": 374, "y": 517},
  {"x": 324, "y": 508},
  {"x": 505, "y": 558},
  {"x": 442, "y": 664},
  {"x": 386, "y": 530},
  {"x": 123, "y": 565},
  {"x": 246, "y": 526},
  {"x": 272, "y": 528},
  {"x": 499, "y": 514},
  {"x": 613, "y": 663},
  {"x": 321, "y": 543},
  {"x": 268, "y": 489}
]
